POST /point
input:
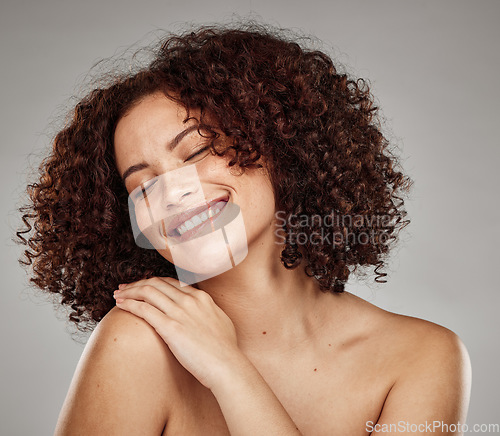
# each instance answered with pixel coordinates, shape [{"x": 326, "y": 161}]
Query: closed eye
[
  {"x": 142, "y": 191},
  {"x": 197, "y": 153}
]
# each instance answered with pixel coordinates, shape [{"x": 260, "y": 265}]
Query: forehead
[
  {"x": 147, "y": 127},
  {"x": 153, "y": 111}
]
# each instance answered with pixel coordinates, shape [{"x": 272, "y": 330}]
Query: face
[{"x": 201, "y": 214}]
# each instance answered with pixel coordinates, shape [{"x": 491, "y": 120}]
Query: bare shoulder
[
  {"x": 121, "y": 334},
  {"x": 423, "y": 342},
  {"x": 410, "y": 336},
  {"x": 123, "y": 382},
  {"x": 124, "y": 328},
  {"x": 431, "y": 364}
]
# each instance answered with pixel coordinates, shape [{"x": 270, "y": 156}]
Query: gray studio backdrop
[{"x": 434, "y": 67}]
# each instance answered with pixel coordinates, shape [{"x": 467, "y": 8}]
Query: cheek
[
  {"x": 258, "y": 203},
  {"x": 213, "y": 168}
]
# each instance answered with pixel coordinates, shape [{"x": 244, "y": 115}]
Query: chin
[
  {"x": 209, "y": 256},
  {"x": 209, "y": 253}
]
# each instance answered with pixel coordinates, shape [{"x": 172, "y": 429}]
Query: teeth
[
  {"x": 200, "y": 218},
  {"x": 196, "y": 220}
]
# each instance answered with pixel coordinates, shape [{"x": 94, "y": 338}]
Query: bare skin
[
  {"x": 373, "y": 367},
  {"x": 258, "y": 349},
  {"x": 341, "y": 378}
]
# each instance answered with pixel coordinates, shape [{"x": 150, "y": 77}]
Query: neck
[{"x": 272, "y": 308}]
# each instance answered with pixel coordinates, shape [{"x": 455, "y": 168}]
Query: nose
[
  {"x": 177, "y": 197},
  {"x": 180, "y": 192}
]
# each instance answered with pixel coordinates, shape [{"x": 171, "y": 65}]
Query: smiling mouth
[
  {"x": 184, "y": 225},
  {"x": 197, "y": 220}
]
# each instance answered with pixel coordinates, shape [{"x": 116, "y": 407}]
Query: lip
[{"x": 179, "y": 219}]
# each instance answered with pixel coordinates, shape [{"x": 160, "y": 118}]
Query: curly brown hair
[{"x": 319, "y": 129}]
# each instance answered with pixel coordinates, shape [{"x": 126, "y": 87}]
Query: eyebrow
[{"x": 170, "y": 146}]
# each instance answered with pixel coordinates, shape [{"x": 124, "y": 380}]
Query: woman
[{"x": 267, "y": 340}]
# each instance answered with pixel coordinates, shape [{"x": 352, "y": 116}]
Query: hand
[{"x": 199, "y": 334}]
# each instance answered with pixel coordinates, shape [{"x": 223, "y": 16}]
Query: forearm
[{"x": 249, "y": 405}]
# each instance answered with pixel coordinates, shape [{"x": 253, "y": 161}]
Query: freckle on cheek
[{"x": 264, "y": 333}]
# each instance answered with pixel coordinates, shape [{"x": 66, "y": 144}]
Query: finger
[
  {"x": 151, "y": 295},
  {"x": 190, "y": 292},
  {"x": 180, "y": 285},
  {"x": 153, "y": 316},
  {"x": 169, "y": 280},
  {"x": 169, "y": 286}
]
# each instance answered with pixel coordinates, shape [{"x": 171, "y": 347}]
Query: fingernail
[
  {"x": 120, "y": 300},
  {"x": 120, "y": 286}
]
